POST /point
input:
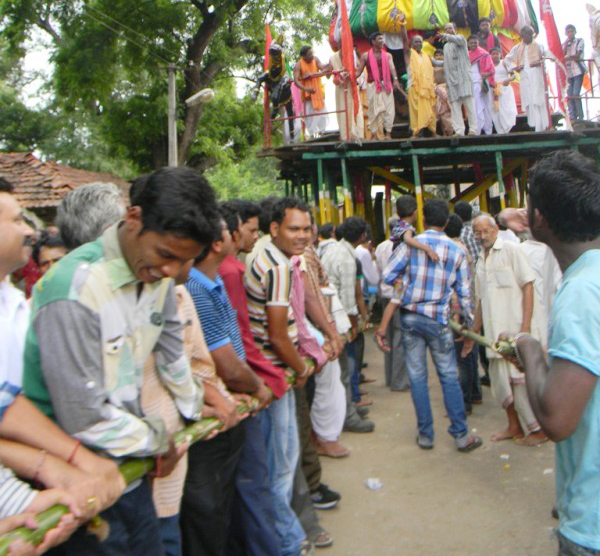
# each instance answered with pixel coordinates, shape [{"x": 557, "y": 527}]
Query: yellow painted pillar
[{"x": 418, "y": 192}]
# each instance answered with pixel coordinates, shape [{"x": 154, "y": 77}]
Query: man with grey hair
[
  {"x": 87, "y": 211},
  {"x": 506, "y": 301},
  {"x": 396, "y": 377}
]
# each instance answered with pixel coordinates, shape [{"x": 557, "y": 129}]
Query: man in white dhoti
[
  {"x": 504, "y": 112},
  {"x": 507, "y": 301},
  {"x": 350, "y": 126},
  {"x": 381, "y": 81},
  {"x": 527, "y": 58}
]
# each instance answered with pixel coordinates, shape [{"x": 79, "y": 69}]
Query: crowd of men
[
  {"x": 437, "y": 75},
  {"x": 156, "y": 312}
]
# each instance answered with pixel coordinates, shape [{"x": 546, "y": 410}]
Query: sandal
[
  {"x": 323, "y": 540},
  {"x": 306, "y": 548},
  {"x": 473, "y": 442}
]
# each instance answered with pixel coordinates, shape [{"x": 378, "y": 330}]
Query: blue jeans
[
  {"x": 574, "y": 90},
  {"x": 253, "y": 507},
  {"x": 280, "y": 430},
  {"x": 354, "y": 371},
  {"x": 170, "y": 535},
  {"x": 418, "y": 334}
]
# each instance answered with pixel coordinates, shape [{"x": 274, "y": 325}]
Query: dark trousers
[
  {"x": 208, "y": 493},
  {"x": 468, "y": 374},
  {"x": 253, "y": 526},
  {"x": 574, "y": 90},
  {"x": 309, "y": 460},
  {"x": 133, "y": 529}
]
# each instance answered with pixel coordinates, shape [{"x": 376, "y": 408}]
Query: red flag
[
  {"x": 348, "y": 52},
  {"x": 555, "y": 47},
  {"x": 267, "y": 45}
]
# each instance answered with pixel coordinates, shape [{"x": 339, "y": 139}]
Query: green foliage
[{"x": 253, "y": 178}]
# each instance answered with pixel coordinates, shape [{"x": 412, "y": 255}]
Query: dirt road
[{"x": 494, "y": 501}]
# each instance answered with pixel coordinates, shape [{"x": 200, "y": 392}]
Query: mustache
[{"x": 28, "y": 242}]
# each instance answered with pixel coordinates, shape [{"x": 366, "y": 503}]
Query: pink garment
[
  {"x": 307, "y": 344},
  {"x": 486, "y": 64},
  {"x": 385, "y": 68}
]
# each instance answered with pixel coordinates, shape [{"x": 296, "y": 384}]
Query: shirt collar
[
  {"x": 348, "y": 246},
  {"x": 205, "y": 281},
  {"x": 277, "y": 253},
  {"x": 498, "y": 244},
  {"x": 117, "y": 268}
]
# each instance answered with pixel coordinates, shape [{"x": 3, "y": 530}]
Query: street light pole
[{"x": 172, "y": 120}]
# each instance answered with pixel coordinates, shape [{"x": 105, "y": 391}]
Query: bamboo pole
[
  {"x": 131, "y": 470},
  {"x": 504, "y": 347}
]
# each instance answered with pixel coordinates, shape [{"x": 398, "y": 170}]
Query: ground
[{"x": 495, "y": 500}]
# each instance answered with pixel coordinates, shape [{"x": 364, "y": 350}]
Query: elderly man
[
  {"x": 382, "y": 79},
  {"x": 504, "y": 288},
  {"x": 87, "y": 211},
  {"x": 421, "y": 86},
  {"x": 112, "y": 302},
  {"x": 457, "y": 68},
  {"x": 527, "y": 58},
  {"x": 563, "y": 384}
]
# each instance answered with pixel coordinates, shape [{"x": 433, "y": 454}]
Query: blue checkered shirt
[{"x": 430, "y": 284}]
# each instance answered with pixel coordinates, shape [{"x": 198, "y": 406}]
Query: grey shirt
[{"x": 457, "y": 67}]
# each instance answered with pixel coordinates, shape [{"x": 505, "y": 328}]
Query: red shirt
[{"x": 232, "y": 273}]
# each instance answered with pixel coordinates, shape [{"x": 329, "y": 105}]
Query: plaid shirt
[
  {"x": 430, "y": 284},
  {"x": 339, "y": 261},
  {"x": 468, "y": 238}
]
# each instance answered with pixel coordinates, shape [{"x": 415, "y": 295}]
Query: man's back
[{"x": 430, "y": 284}]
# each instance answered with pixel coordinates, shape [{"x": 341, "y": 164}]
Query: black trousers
[{"x": 208, "y": 493}]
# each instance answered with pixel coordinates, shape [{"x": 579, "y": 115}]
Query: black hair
[
  {"x": 571, "y": 26},
  {"x": 6, "y": 186},
  {"x": 405, "y": 205},
  {"x": 496, "y": 49},
  {"x": 482, "y": 19},
  {"x": 339, "y": 232},
  {"x": 454, "y": 226},
  {"x": 178, "y": 201},
  {"x": 245, "y": 209},
  {"x": 266, "y": 210},
  {"x": 326, "y": 230},
  {"x": 464, "y": 210},
  {"x": 304, "y": 49},
  {"x": 474, "y": 38},
  {"x": 352, "y": 229},
  {"x": 373, "y": 36},
  {"x": 565, "y": 187},
  {"x": 439, "y": 51},
  {"x": 436, "y": 212},
  {"x": 284, "y": 204},
  {"x": 230, "y": 215},
  {"x": 46, "y": 240}
]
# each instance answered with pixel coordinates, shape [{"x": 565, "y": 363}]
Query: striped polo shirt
[
  {"x": 217, "y": 316},
  {"x": 269, "y": 283}
]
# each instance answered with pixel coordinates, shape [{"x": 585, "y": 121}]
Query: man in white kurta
[
  {"x": 527, "y": 58},
  {"x": 504, "y": 286}
]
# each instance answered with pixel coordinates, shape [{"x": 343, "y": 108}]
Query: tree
[{"x": 110, "y": 61}]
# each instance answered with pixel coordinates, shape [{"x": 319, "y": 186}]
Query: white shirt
[
  {"x": 14, "y": 320},
  {"x": 382, "y": 256},
  {"x": 369, "y": 269}
]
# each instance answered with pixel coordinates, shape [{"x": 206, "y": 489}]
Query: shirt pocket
[
  {"x": 503, "y": 277},
  {"x": 119, "y": 368}
]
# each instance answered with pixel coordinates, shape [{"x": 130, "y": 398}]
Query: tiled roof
[{"x": 43, "y": 184}]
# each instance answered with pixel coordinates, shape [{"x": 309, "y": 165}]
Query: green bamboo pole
[
  {"x": 503, "y": 347},
  {"x": 131, "y": 470}
]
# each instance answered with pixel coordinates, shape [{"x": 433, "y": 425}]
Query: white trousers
[{"x": 458, "y": 123}]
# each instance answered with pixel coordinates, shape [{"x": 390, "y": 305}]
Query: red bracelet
[{"x": 72, "y": 456}]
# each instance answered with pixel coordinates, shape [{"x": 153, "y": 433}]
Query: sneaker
[
  {"x": 356, "y": 424},
  {"x": 424, "y": 442},
  {"x": 362, "y": 411},
  {"x": 324, "y": 498}
]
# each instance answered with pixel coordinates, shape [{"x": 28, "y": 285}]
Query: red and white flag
[{"x": 555, "y": 47}]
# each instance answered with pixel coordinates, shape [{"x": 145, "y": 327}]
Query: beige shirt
[{"x": 499, "y": 281}]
